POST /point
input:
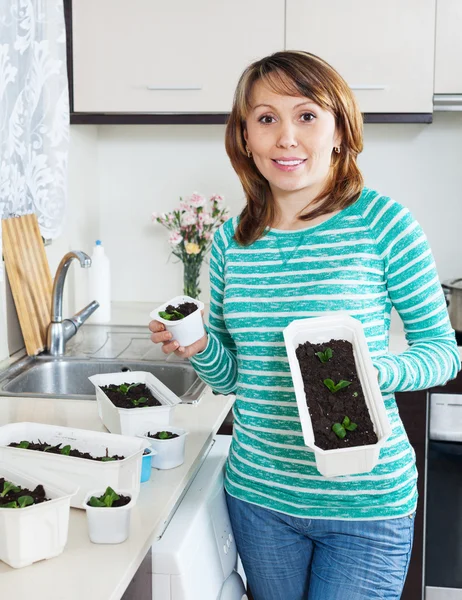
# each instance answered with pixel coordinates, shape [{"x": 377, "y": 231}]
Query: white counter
[{"x": 87, "y": 571}]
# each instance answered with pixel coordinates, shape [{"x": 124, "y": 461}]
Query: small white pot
[
  {"x": 185, "y": 331},
  {"x": 169, "y": 453},
  {"x": 108, "y": 525}
]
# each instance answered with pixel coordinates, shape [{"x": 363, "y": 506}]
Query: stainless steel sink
[{"x": 48, "y": 377}]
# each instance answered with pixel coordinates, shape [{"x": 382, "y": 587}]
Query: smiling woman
[{"x": 312, "y": 240}]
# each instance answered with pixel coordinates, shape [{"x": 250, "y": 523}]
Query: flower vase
[{"x": 192, "y": 269}]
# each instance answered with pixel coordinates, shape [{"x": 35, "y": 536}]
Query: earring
[
  {"x": 337, "y": 149},
  {"x": 249, "y": 154}
]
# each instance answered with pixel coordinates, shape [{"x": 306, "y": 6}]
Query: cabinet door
[
  {"x": 448, "y": 53},
  {"x": 150, "y": 56},
  {"x": 384, "y": 50}
]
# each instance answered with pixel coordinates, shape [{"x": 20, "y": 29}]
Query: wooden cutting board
[{"x": 30, "y": 278}]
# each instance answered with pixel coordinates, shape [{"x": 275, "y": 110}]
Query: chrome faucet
[{"x": 59, "y": 330}]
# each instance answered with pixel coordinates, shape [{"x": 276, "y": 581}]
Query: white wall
[
  {"x": 119, "y": 175},
  {"x": 147, "y": 168}
]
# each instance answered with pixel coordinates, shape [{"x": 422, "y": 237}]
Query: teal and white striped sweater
[{"x": 366, "y": 259}]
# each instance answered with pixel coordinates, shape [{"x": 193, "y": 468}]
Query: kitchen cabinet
[
  {"x": 384, "y": 50},
  {"x": 448, "y": 52},
  {"x": 157, "y": 57}
]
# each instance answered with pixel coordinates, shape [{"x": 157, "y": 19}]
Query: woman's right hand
[{"x": 161, "y": 336}]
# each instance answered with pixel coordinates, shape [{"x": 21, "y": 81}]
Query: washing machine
[{"x": 196, "y": 557}]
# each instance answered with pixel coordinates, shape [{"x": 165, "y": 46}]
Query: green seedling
[
  {"x": 124, "y": 388},
  {"x": 355, "y": 394},
  {"x": 325, "y": 356},
  {"x": 47, "y": 448},
  {"x": 340, "y": 429},
  {"x": 104, "y": 501},
  {"x": 138, "y": 401},
  {"x": 66, "y": 450},
  {"x": 9, "y": 487},
  {"x": 24, "y": 444},
  {"x": 13, "y": 504},
  {"x": 164, "y": 435},
  {"x": 107, "y": 458},
  {"x": 168, "y": 316},
  {"x": 24, "y": 501},
  {"x": 332, "y": 387}
]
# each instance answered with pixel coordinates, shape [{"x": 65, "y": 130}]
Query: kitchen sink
[{"x": 48, "y": 377}]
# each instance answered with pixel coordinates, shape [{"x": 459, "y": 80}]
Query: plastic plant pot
[
  {"x": 36, "y": 532},
  {"x": 84, "y": 473},
  {"x": 317, "y": 330},
  {"x": 132, "y": 421},
  {"x": 109, "y": 525},
  {"x": 170, "y": 452},
  {"x": 146, "y": 464},
  {"x": 185, "y": 331}
]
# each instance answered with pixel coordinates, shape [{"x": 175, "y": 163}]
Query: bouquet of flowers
[{"x": 192, "y": 227}]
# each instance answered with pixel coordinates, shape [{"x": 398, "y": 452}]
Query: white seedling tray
[
  {"x": 185, "y": 331},
  {"x": 132, "y": 421},
  {"x": 319, "y": 330},
  {"x": 85, "y": 473},
  {"x": 35, "y": 532}
]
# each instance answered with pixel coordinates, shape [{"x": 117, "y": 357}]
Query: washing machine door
[{"x": 233, "y": 588}]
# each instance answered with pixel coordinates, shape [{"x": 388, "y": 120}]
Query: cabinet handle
[
  {"x": 361, "y": 86},
  {"x": 447, "y": 102},
  {"x": 173, "y": 87}
]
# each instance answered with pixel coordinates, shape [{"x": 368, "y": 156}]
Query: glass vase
[{"x": 191, "y": 274}]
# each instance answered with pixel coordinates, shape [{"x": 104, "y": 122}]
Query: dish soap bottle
[{"x": 99, "y": 284}]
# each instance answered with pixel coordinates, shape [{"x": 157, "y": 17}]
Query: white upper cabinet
[
  {"x": 383, "y": 49},
  {"x": 186, "y": 56},
  {"x": 448, "y": 57}
]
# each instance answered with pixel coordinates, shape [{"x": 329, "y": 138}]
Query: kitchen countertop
[
  {"x": 101, "y": 572},
  {"x": 90, "y": 571}
]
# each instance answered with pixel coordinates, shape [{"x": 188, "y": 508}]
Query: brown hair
[{"x": 295, "y": 73}]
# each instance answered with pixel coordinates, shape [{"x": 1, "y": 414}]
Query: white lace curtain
[{"x": 34, "y": 112}]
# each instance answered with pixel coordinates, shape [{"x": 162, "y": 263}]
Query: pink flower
[
  {"x": 155, "y": 216},
  {"x": 175, "y": 238},
  {"x": 208, "y": 219},
  {"x": 207, "y": 235},
  {"x": 188, "y": 218},
  {"x": 196, "y": 200},
  {"x": 217, "y": 198}
]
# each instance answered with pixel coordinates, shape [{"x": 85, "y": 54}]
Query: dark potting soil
[
  {"x": 38, "y": 494},
  {"x": 185, "y": 308},
  {"x": 155, "y": 436},
  {"x": 326, "y": 407},
  {"x": 122, "y": 501},
  {"x": 44, "y": 447},
  {"x": 132, "y": 397}
]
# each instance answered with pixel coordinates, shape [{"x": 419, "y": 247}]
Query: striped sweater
[{"x": 366, "y": 259}]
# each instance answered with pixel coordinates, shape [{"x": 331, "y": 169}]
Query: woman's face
[{"x": 291, "y": 139}]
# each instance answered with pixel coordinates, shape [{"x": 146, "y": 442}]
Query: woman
[{"x": 311, "y": 239}]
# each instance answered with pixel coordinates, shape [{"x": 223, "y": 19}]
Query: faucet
[{"x": 59, "y": 330}]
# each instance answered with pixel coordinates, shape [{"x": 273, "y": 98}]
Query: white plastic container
[
  {"x": 169, "y": 453},
  {"x": 99, "y": 284},
  {"x": 132, "y": 421},
  {"x": 318, "y": 330},
  {"x": 85, "y": 473},
  {"x": 108, "y": 525},
  {"x": 35, "y": 532},
  {"x": 185, "y": 331}
]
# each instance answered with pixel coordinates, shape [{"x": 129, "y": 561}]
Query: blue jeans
[{"x": 290, "y": 558}]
